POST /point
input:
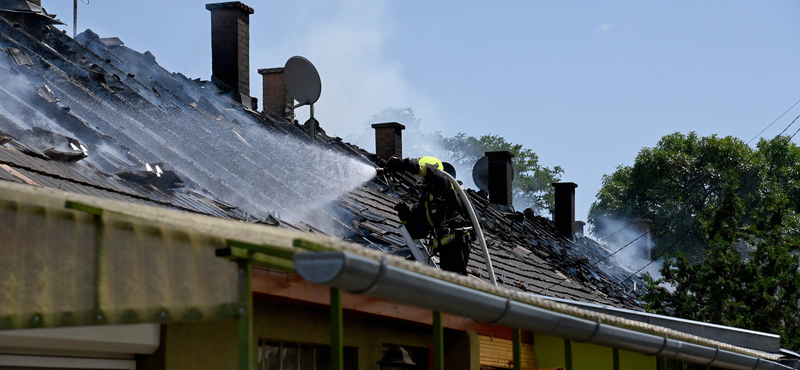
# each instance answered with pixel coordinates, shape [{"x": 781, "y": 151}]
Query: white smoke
[{"x": 629, "y": 247}]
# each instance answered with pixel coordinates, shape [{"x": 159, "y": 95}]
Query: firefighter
[{"x": 439, "y": 215}]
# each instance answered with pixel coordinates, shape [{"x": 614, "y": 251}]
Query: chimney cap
[
  {"x": 230, "y": 4},
  {"x": 264, "y": 71},
  {"x": 499, "y": 153},
  {"x": 389, "y": 124},
  {"x": 559, "y": 184}
]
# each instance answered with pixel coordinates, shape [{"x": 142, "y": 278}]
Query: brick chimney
[
  {"x": 275, "y": 97},
  {"x": 501, "y": 174},
  {"x": 642, "y": 226},
  {"x": 230, "y": 48},
  {"x": 564, "y": 214},
  {"x": 388, "y": 139}
]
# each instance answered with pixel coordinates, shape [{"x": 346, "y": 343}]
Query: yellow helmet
[{"x": 431, "y": 160}]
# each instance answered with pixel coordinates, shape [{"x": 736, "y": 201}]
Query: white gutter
[
  {"x": 361, "y": 275},
  {"x": 759, "y": 341}
]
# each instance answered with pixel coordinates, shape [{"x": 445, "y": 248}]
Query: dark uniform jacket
[{"x": 440, "y": 216}]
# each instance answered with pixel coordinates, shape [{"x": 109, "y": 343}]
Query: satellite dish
[
  {"x": 449, "y": 169},
  {"x": 480, "y": 174},
  {"x": 302, "y": 80}
]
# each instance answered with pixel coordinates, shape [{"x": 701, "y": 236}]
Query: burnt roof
[{"x": 130, "y": 130}]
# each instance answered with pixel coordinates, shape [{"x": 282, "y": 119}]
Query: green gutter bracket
[
  {"x": 83, "y": 207},
  {"x": 314, "y": 247},
  {"x": 567, "y": 354},
  {"x": 438, "y": 341},
  {"x": 247, "y": 341},
  {"x": 517, "y": 337},
  {"x": 337, "y": 330},
  {"x": 259, "y": 255}
]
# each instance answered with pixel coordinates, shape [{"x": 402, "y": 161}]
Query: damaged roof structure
[{"x": 92, "y": 117}]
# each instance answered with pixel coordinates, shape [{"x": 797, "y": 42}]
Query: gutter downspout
[{"x": 361, "y": 275}]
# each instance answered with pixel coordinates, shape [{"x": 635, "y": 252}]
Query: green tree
[
  {"x": 748, "y": 278},
  {"x": 682, "y": 179}
]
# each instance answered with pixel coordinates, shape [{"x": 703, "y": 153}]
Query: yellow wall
[
  {"x": 587, "y": 356},
  {"x": 549, "y": 351},
  {"x": 202, "y": 345},
  {"x": 213, "y": 345},
  {"x": 636, "y": 361}
]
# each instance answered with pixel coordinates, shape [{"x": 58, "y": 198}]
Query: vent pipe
[{"x": 579, "y": 225}]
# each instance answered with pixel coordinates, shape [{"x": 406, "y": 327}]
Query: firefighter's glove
[
  {"x": 393, "y": 164},
  {"x": 402, "y": 211}
]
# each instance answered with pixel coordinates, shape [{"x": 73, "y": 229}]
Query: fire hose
[{"x": 475, "y": 226}]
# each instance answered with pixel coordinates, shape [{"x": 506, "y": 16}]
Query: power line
[{"x": 773, "y": 122}]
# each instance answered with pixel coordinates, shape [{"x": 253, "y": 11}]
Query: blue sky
[{"x": 584, "y": 84}]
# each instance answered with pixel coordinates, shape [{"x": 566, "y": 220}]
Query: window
[
  {"x": 419, "y": 355},
  {"x": 298, "y": 356}
]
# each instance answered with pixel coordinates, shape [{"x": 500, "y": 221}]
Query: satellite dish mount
[{"x": 304, "y": 85}]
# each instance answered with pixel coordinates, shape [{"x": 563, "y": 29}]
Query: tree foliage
[
  {"x": 731, "y": 213},
  {"x": 683, "y": 177},
  {"x": 749, "y": 277}
]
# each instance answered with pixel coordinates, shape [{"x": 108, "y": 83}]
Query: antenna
[
  {"x": 304, "y": 85},
  {"x": 75, "y": 16}
]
